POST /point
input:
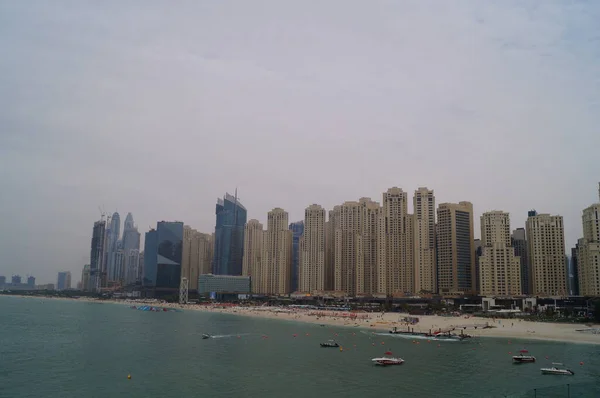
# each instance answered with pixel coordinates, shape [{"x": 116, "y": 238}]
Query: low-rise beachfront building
[{"x": 227, "y": 284}]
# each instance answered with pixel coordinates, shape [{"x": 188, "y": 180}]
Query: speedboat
[
  {"x": 206, "y": 336},
  {"x": 555, "y": 370},
  {"x": 387, "y": 360},
  {"x": 522, "y": 357},
  {"x": 330, "y": 343}
]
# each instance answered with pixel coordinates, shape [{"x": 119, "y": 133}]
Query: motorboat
[
  {"x": 523, "y": 357},
  {"x": 206, "y": 336},
  {"x": 330, "y": 343},
  {"x": 555, "y": 370},
  {"x": 387, "y": 360}
]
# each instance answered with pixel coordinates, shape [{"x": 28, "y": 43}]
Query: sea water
[{"x": 59, "y": 349}]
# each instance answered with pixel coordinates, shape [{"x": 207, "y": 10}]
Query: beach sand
[{"x": 383, "y": 322}]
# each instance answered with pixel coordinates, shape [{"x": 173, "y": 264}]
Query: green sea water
[{"x": 61, "y": 349}]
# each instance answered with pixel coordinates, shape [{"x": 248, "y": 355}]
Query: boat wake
[
  {"x": 226, "y": 336},
  {"x": 413, "y": 337}
]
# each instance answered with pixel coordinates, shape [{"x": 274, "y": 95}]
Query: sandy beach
[{"x": 383, "y": 322}]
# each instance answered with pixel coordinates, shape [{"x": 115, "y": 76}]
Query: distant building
[
  {"x": 229, "y": 236},
  {"x": 2, "y": 281},
  {"x": 48, "y": 286},
  {"x": 31, "y": 282},
  {"x": 519, "y": 243},
  {"x": 575, "y": 270},
  {"x": 229, "y": 284},
  {"x": 85, "y": 279},
  {"x": 297, "y": 229},
  {"x": 16, "y": 280},
  {"x": 63, "y": 281}
]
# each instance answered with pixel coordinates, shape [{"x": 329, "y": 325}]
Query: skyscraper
[
  {"x": 278, "y": 252},
  {"x": 312, "y": 251},
  {"x": 112, "y": 248},
  {"x": 169, "y": 255},
  {"x": 396, "y": 260},
  {"x": 588, "y": 254},
  {"x": 150, "y": 257},
  {"x": 500, "y": 271},
  {"x": 424, "y": 241},
  {"x": 546, "y": 255},
  {"x": 297, "y": 229},
  {"x": 163, "y": 253},
  {"x": 519, "y": 243},
  {"x": 97, "y": 256},
  {"x": 253, "y": 252},
  {"x": 456, "y": 260},
  {"x": 63, "y": 281},
  {"x": 229, "y": 236}
]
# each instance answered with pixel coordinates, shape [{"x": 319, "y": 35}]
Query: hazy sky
[{"x": 159, "y": 107}]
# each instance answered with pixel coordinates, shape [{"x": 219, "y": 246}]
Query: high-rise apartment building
[
  {"x": 252, "y": 264},
  {"x": 63, "y": 281},
  {"x": 367, "y": 246},
  {"x": 425, "y": 272},
  {"x": 297, "y": 229},
  {"x": 330, "y": 251},
  {"x": 456, "y": 261},
  {"x": 229, "y": 236},
  {"x": 278, "y": 253},
  {"x": 311, "y": 275},
  {"x": 190, "y": 262},
  {"x": 546, "y": 255},
  {"x": 97, "y": 256},
  {"x": 395, "y": 271},
  {"x": 518, "y": 241},
  {"x": 588, "y": 254},
  {"x": 500, "y": 271},
  {"x": 346, "y": 229}
]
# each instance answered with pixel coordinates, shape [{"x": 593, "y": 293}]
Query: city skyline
[{"x": 157, "y": 113}]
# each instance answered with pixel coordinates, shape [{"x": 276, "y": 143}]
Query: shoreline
[{"x": 378, "y": 322}]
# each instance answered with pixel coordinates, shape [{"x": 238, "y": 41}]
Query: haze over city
[{"x": 158, "y": 109}]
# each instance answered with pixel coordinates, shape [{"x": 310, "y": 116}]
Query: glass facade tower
[{"x": 229, "y": 236}]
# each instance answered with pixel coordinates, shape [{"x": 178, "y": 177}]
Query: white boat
[
  {"x": 387, "y": 360},
  {"x": 555, "y": 370},
  {"x": 522, "y": 357},
  {"x": 206, "y": 336}
]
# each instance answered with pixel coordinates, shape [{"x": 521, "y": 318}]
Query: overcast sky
[{"x": 159, "y": 107}]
